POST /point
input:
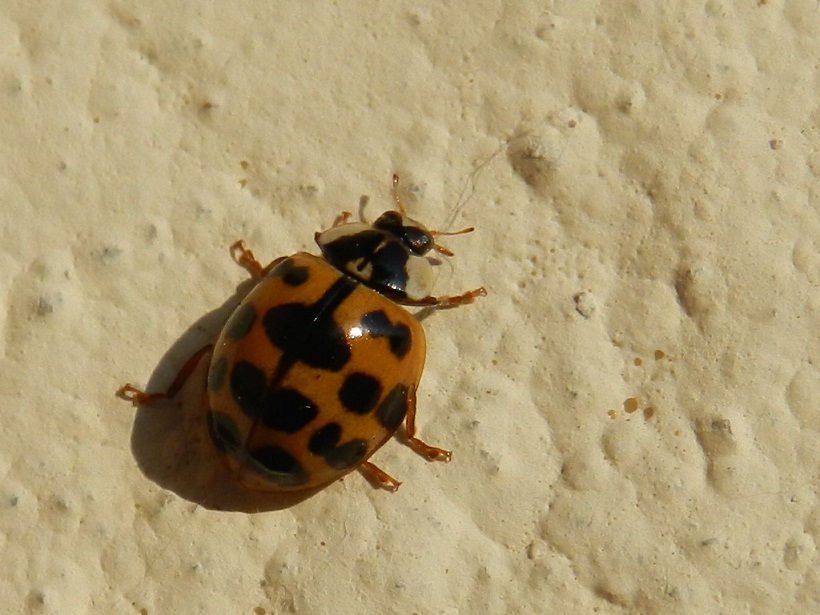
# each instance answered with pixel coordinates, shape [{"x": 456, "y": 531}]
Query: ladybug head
[
  {"x": 390, "y": 255},
  {"x": 413, "y": 235}
]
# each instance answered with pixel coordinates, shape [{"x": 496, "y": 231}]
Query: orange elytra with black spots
[{"x": 319, "y": 364}]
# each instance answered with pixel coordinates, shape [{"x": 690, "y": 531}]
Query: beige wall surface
[{"x": 634, "y": 409}]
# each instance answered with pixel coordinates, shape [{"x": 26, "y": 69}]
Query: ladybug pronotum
[{"x": 318, "y": 366}]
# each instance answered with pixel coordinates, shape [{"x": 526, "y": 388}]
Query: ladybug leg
[
  {"x": 138, "y": 397},
  {"x": 444, "y": 303},
  {"x": 430, "y": 453},
  {"x": 342, "y": 218},
  {"x": 378, "y": 477},
  {"x": 243, "y": 256}
]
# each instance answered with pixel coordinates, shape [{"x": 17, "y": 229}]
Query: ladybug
[{"x": 319, "y": 364}]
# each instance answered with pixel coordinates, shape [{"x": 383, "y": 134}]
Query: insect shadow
[{"x": 170, "y": 440}]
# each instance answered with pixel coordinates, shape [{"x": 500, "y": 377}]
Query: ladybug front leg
[
  {"x": 431, "y": 453},
  {"x": 243, "y": 257},
  {"x": 345, "y": 217},
  {"x": 342, "y": 218},
  {"x": 138, "y": 397},
  {"x": 444, "y": 303}
]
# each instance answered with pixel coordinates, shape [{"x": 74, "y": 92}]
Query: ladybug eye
[{"x": 417, "y": 240}]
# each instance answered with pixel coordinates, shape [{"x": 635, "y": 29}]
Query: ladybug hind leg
[
  {"x": 138, "y": 397},
  {"x": 430, "y": 453},
  {"x": 381, "y": 479},
  {"x": 244, "y": 257},
  {"x": 378, "y": 477}
]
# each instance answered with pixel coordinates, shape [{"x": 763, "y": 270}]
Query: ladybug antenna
[
  {"x": 396, "y": 197},
  {"x": 442, "y": 249},
  {"x": 463, "y": 231}
]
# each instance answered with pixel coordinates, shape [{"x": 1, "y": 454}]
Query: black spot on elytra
[
  {"x": 308, "y": 333},
  {"x": 240, "y": 322},
  {"x": 325, "y": 443},
  {"x": 393, "y": 409},
  {"x": 296, "y": 276},
  {"x": 223, "y": 432},
  {"x": 291, "y": 273},
  {"x": 359, "y": 393},
  {"x": 376, "y": 324},
  {"x": 318, "y": 342},
  {"x": 273, "y": 463},
  {"x": 248, "y": 387},
  {"x": 216, "y": 374},
  {"x": 287, "y": 410},
  {"x": 347, "y": 455},
  {"x": 325, "y": 439},
  {"x": 277, "y": 466},
  {"x": 284, "y": 410}
]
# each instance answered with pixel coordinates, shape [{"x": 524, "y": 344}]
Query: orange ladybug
[{"x": 319, "y": 365}]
